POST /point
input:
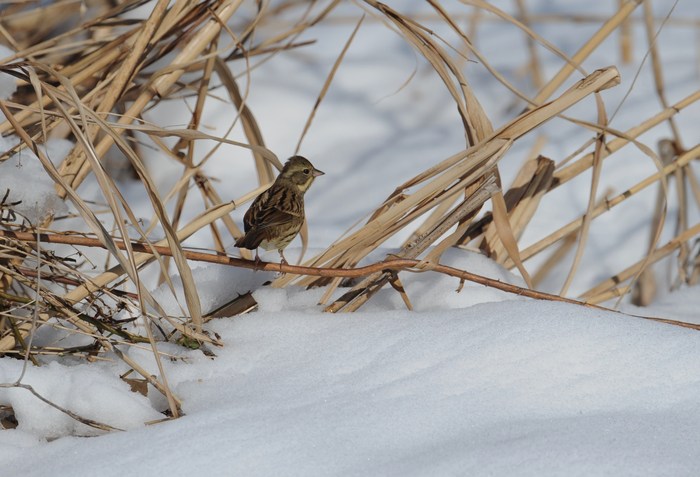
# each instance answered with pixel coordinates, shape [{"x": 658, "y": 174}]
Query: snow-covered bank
[{"x": 509, "y": 388}]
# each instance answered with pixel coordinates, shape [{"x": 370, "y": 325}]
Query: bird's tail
[{"x": 250, "y": 240}]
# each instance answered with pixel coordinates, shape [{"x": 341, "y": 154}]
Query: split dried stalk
[
  {"x": 574, "y": 225},
  {"x": 522, "y": 199}
]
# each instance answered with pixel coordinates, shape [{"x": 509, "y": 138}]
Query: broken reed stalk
[
  {"x": 522, "y": 199},
  {"x": 574, "y": 225},
  {"x": 669, "y": 150},
  {"x": 644, "y": 284}
]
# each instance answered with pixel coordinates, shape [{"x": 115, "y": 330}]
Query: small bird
[{"x": 276, "y": 216}]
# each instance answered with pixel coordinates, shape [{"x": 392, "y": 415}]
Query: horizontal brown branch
[{"x": 398, "y": 264}]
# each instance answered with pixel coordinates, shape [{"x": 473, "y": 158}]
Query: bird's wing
[
  {"x": 272, "y": 216},
  {"x": 278, "y": 206},
  {"x": 272, "y": 208}
]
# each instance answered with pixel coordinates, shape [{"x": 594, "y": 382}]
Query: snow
[
  {"x": 84, "y": 389},
  {"x": 7, "y": 85},
  {"x": 504, "y": 388},
  {"x": 476, "y": 382},
  {"x": 24, "y": 177}
]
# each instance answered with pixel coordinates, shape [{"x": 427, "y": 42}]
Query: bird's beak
[{"x": 317, "y": 173}]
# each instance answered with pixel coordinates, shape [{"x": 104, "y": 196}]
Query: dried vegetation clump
[{"x": 89, "y": 71}]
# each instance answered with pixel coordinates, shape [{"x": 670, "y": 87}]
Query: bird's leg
[
  {"x": 284, "y": 260},
  {"x": 257, "y": 260}
]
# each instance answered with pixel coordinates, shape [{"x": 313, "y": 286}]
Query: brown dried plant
[{"x": 92, "y": 77}]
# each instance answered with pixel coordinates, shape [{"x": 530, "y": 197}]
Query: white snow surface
[
  {"x": 501, "y": 388},
  {"x": 476, "y": 382},
  {"x": 24, "y": 180},
  {"x": 7, "y": 84}
]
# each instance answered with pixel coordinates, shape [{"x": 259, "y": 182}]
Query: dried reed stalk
[
  {"x": 94, "y": 81},
  {"x": 626, "y": 43},
  {"x": 610, "y": 288},
  {"x": 588, "y": 47},
  {"x": 522, "y": 199},
  {"x": 453, "y": 175},
  {"x": 574, "y": 225}
]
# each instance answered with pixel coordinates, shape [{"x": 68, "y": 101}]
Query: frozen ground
[{"x": 471, "y": 383}]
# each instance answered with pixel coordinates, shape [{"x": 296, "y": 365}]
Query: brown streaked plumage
[{"x": 276, "y": 216}]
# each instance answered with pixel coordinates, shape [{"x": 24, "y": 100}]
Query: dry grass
[{"x": 91, "y": 77}]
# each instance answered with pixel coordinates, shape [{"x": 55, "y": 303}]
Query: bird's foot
[
  {"x": 257, "y": 261},
  {"x": 283, "y": 261}
]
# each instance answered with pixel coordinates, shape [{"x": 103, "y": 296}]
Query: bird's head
[{"x": 300, "y": 172}]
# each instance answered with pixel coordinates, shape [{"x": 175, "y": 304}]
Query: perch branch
[{"x": 391, "y": 265}]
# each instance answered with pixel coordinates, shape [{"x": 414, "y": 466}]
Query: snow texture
[
  {"x": 510, "y": 388},
  {"x": 28, "y": 183}
]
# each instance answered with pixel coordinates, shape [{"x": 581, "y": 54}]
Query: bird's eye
[{"x": 306, "y": 171}]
